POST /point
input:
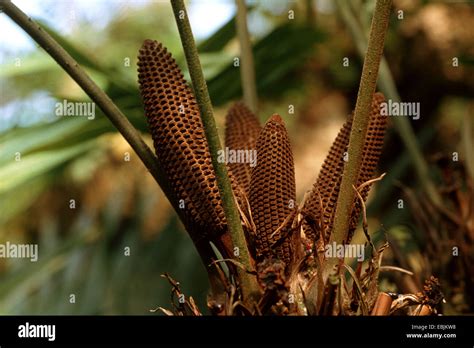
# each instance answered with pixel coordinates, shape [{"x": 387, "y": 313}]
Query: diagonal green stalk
[
  {"x": 360, "y": 124},
  {"x": 387, "y": 85},
  {"x": 248, "y": 284},
  {"x": 247, "y": 71},
  {"x": 310, "y": 13}
]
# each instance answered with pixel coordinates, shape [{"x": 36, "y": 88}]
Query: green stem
[
  {"x": 360, "y": 124},
  {"x": 118, "y": 119},
  {"x": 387, "y": 85},
  {"x": 310, "y": 13},
  {"x": 247, "y": 71},
  {"x": 113, "y": 113},
  {"x": 248, "y": 283}
]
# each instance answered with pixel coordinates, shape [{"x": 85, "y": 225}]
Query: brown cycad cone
[
  {"x": 370, "y": 157},
  {"x": 180, "y": 143},
  {"x": 320, "y": 206},
  {"x": 272, "y": 192},
  {"x": 241, "y": 132}
]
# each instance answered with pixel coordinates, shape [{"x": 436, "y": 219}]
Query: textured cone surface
[
  {"x": 179, "y": 140},
  {"x": 320, "y": 206},
  {"x": 241, "y": 132},
  {"x": 272, "y": 190},
  {"x": 370, "y": 157}
]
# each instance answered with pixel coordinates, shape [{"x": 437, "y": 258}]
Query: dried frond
[
  {"x": 370, "y": 157},
  {"x": 272, "y": 192},
  {"x": 180, "y": 143},
  {"x": 383, "y": 304}
]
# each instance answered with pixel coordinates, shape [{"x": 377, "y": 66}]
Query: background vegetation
[{"x": 298, "y": 63}]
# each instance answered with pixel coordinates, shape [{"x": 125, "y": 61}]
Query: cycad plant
[{"x": 264, "y": 252}]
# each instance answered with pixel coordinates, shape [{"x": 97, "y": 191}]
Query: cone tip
[{"x": 276, "y": 118}]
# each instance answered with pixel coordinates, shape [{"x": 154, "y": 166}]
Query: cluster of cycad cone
[{"x": 280, "y": 235}]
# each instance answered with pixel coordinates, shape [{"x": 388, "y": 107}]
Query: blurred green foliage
[{"x": 87, "y": 258}]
